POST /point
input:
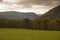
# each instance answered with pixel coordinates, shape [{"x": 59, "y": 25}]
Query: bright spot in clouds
[
  {"x": 13, "y": 1},
  {"x": 2, "y": 6}
]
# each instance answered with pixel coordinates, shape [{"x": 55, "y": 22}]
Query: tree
[
  {"x": 38, "y": 25},
  {"x": 58, "y": 24},
  {"x": 45, "y": 23},
  {"x": 27, "y": 23}
]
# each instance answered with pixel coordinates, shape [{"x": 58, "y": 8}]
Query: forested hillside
[{"x": 48, "y": 21}]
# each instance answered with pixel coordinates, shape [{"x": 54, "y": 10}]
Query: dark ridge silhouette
[{"x": 51, "y": 14}]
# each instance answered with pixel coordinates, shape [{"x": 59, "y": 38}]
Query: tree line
[{"x": 43, "y": 24}]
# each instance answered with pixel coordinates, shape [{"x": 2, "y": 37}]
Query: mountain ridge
[
  {"x": 18, "y": 15},
  {"x": 51, "y": 14}
]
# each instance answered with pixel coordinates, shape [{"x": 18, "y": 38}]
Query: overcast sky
[{"x": 37, "y": 6}]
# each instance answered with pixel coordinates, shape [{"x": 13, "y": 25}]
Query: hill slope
[{"x": 53, "y": 13}]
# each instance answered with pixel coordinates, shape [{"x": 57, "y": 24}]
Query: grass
[{"x": 25, "y": 34}]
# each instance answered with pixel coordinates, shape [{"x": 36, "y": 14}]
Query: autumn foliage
[{"x": 43, "y": 24}]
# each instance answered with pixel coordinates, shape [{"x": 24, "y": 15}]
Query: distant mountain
[
  {"x": 18, "y": 15},
  {"x": 53, "y": 13}
]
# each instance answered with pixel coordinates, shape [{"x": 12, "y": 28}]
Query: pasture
[{"x": 25, "y": 34}]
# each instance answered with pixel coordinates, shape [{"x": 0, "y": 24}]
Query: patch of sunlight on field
[{"x": 25, "y": 34}]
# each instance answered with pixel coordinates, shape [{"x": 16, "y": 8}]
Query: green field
[{"x": 25, "y": 34}]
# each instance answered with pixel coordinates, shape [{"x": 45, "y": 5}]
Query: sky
[{"x": 37, "y": 6}]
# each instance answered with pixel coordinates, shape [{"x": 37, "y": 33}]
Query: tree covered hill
[{"x": 51, "y": 14}]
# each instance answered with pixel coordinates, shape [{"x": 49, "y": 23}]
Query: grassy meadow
[{"x": 25, "y": 34}]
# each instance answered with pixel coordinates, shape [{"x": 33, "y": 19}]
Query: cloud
[
  {"x": 11, "y": 1},
  {"x": 0, "y": 0},
  {"x": 41, "y": 2},
  {"x": 38, "y": 6},
  {"x": 29, "y": 3}
]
